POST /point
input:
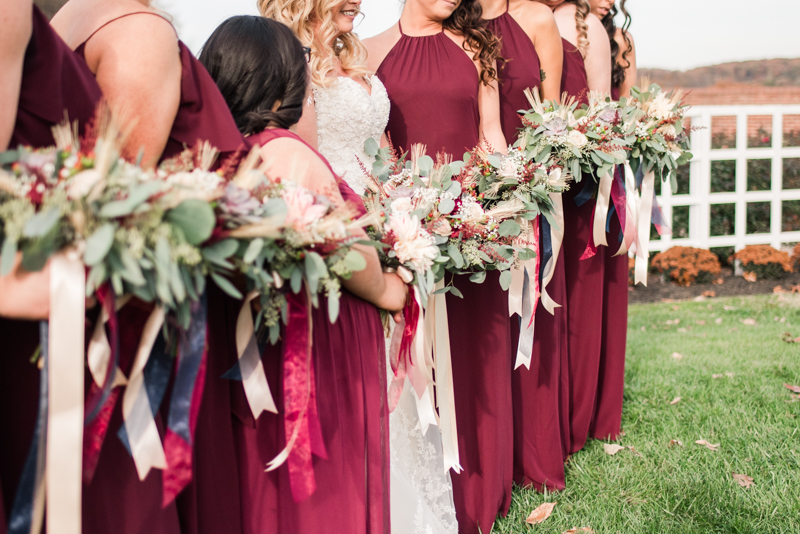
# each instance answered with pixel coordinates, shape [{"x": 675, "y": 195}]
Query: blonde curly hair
[
  {"x": 312, "y": 22},
  {"x": 582, "y": 10}
]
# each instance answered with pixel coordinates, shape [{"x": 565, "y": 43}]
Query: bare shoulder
[
  {"x": 379, "y": 46},
  {"x": 533, "y": 17},
  {"x": 290, "y": 159},
  {"x": 595, "y": 26},
  {"x": 620, "y": 38}
]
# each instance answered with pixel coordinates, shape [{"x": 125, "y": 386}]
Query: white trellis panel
[{"x": 700, "y": 197}]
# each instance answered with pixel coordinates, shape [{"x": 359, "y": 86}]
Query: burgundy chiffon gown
[
  {"x": 352, "y": 484},
  {"x": 433, "y": 86},
  {"x": 540, "y": 394},
  {"x": 54, "y": 80},
  {"x": 584, "y": 279},
  {"x": 607, "y": 420},
  {"x": 116, "y": 500}
]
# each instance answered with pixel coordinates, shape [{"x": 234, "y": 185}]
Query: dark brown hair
[
  {"x": 618, "y": 67},
  {"x": 467, "y": 21}
]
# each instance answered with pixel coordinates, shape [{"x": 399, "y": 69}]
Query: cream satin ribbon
[
  {"x": 437, "y": 342},
  {"x": 528, "y": 323},
  {"x": 98, "y": 354},
  {"x": 64, "y": 449},
  {"x": 643, "y": 228},
  {"x": 631, "y": 212},
  {"x": 254, "y": 379},
  {"x": 143, "y": 437},
  {"x": 556, "y": 239},
  {"x": 601, "y": 209}
]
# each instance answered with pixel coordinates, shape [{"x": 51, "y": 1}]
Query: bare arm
[
  {"x": 630, "y": 72},
  {"x": 598, "y": 57},
  {"x": 291, "y": 160},
  {"x": 541, "y": 27},
  {"x": 140, "y": 78},
  {"x": 489, "y": 106},
  {"x": 16, "y": 24}
]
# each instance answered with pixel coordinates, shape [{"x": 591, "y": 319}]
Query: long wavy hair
[
  {"x": 619, "y": 63},
  {"x": 312, "y": 22},
  {"x": 582, "y": 10},
  {"x": 467, "y": 21}
]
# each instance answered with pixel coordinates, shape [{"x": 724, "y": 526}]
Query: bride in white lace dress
[{"x": 348, "y": 106}]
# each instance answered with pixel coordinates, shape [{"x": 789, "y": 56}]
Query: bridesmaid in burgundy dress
[
  {"x": 259, "y": 66},
  {"x": 158, "y": 80},
  {"x": 42, "y": 78},
  {"x": 585, "y": 69},
  {"x": 531, "y": 44},
  {"x": 447, "y": 99},
  {"x": 606, "y": 423}
]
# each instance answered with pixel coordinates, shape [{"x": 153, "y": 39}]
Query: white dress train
[{"x": 421, "y": 490}]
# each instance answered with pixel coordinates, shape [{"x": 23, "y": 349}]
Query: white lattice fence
[{"x": 730, "y": 214}]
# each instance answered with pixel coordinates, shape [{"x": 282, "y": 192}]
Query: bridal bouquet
[
  {"x": 656, "y": 120},
  {"x": 447, "y": 199},
  {"x": 586, "y": 140}
]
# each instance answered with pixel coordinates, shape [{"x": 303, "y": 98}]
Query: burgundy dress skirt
[
  {"x": 607, "y": 420},
  {"x": 433, "y": 86},
  {"x": 210, "y": 503},
  {"x": 352, "y": 484},
  {"x": 584, "y": 279},
  {"x": 540, "y": 394},
  {"x": 54, "y": 80}
]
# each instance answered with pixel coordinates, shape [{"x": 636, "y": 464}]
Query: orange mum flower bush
[
  {"x": 796, "y": 257},
  {"x": 764, "y": 261},
  {"x": 687, "y": 265}
]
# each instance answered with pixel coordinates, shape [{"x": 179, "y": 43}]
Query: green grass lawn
[{"x": 751, "y": 415}]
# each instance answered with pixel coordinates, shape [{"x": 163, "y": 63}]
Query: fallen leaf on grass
[
  {"x": 541, "y": 513},
  {"x": 794, "y": 397},
  {"x": 750, "y": 276},
  {"x": 743, "y": 480},
  {"x": 699, "y": 298},
  {"x": 729, "y": 308},
  {"x": 675, "y": 443},
  {"x": 708, "y": 294},
  {"x": 677, "y": 356},
  {"x": 723, "y": 375},
  {"x": 644, "y": 329},
  {"x": 790, "y": 387},
  {"x": 674, "y": 321},
  {"x": 749, "y": 321},
  {"x": 587, "y": 530},
  {"x": 681, "y": 330},
  {"x": 701, "y": 323},
  {"x": 707, "y": 445},
  {"x": 718, "y": 320},
  {"x": 634, "y": 451},
  {"x": 676, "y": 400},
  {"x": 786, "y": 337},
  {"x": 612, "y": 448}
]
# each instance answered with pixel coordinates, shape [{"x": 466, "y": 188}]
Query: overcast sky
[{"x": 671, "y": 34}]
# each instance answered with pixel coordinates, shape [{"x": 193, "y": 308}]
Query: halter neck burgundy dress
[
  {"x": 54, "y": 80},
  {"x": 433, "y": 86},
  {"x": 540, "y": 394},
  {"x": 585, "y": 279},
  {"x": 210, "y": 503},
  {"x": 352, "y": 483}
]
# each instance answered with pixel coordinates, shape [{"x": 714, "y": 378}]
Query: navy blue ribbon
[{"x": 587, "y": 193}]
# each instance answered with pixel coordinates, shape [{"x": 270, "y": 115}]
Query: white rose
[
  {"x": 577, "y": 139},
  {"x": 508, "y": 168},
  {"x": 555, "y": 178},
  {"x": 413, "y": 244},
  {"x": 402, "y": 205},
  {"x": 82, "y": 183}
]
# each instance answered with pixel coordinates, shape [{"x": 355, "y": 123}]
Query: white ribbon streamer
[
  {"x": 556, "y": 239},
  {"x": 527, "y": 326},
  {"x": 254, "y": 379},
  {"x": 437, "y": 342},
  {"x": 64, "y": 449},
  {"x": 631, "y": 212},
  {"x": 643, "y": 229},
  {"x": 137, "y": 413},
  {"x": 99, "y": 352},
  {"x": 601, "y": 209}
]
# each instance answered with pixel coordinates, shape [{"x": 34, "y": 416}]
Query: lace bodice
[{"x": 348, "y": 115}]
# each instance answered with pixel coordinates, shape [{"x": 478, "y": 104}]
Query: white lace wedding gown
[{"x": 421, "y": 490}]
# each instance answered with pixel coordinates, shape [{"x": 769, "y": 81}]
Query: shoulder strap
[{"x": 122, "y": 17}]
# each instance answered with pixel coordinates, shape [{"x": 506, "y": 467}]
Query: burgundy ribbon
[
  {"x": 100, "y": 402},
  {"x": 401, "y": 359},
  {"x": 301, "y": 420}
]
